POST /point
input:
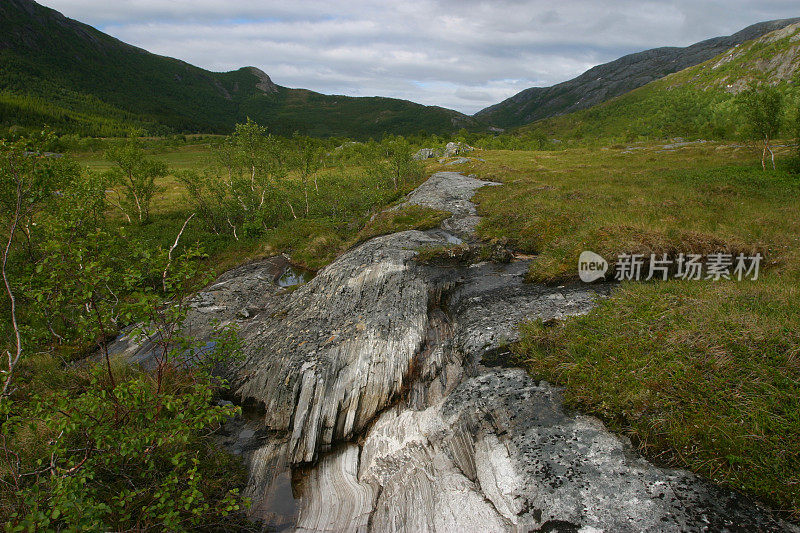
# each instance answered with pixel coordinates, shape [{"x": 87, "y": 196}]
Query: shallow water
[
  {"x": 446, "y": 235},
  {"x": 452, "y": 239},
  {"x": 294, "y": 275},
  {"x": 280, "y": 508}
]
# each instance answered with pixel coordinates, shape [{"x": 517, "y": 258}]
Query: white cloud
[{"x": 462, "y": 54}]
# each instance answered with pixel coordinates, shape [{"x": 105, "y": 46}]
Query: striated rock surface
[
  {"x": 312, "y": 359},
  {"x": 374, "y": 401}
]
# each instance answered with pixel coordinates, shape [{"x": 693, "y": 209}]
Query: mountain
[
  {"x": 57, "y": 71},
  {"x": 603, "y": 82},
  {"x": 698, "y": 101}
]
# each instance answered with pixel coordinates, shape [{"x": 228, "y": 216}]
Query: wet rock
[
  {"x": 335, "y": 498},
  {"x": 493, "y": 299},
  {"x": 379, "y": 408},
  {"x": 451, "y": 191}
]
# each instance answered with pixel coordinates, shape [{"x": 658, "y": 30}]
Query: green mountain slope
[
  {"x": 695, "y": 102},
  {"x": 73, "y": 77},
  {"x": 603, "y": 82}
]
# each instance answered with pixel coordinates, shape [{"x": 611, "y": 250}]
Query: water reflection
[
  {"x": 294, "y": 275},
  {"x": 452, "y": 239}
]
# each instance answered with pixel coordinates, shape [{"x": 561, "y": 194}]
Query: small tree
[
  {"x": 208, "y": 196},
  {"x": 394, "y": 161},
  {"x": 762, "y": 109},
  {"x": 539, "y": 139},
  {"x": 136, "y": 175},
  {"x": 307, "y": 156},
  {"x": 29, "y": 181},
  {"x": 245, "y": 188},
  {"x": 130, "y": 453}
]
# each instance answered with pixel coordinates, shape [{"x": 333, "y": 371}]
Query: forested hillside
[{"x": 60, "y": 72}]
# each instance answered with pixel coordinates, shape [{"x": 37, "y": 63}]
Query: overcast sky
[{"x": 461, "y": 54}]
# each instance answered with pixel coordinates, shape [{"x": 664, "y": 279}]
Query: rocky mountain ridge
[{"x": 604, "y": 82}]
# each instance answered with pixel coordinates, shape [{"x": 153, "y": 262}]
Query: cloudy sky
[{"x": 461, "y": 54}]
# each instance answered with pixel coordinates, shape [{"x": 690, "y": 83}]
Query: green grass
[
  {"x": 700, "y": 374},
  {"x": 406, "y": 218},
  {"x": 699, "y": 198},
  {"x": 189, "y": 156}
]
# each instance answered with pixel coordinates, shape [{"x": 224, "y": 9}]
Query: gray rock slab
[{"x": 373, "y": 404}]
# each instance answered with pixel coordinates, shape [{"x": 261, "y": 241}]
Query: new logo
[{"x": 591, "y": 266}]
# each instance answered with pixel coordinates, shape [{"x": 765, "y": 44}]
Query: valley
[{"x": 230, "y": 305}]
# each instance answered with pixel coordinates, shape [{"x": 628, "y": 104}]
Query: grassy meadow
[
  {"x": 312, "y": 241},
  {"x": 700, "y": 374}
]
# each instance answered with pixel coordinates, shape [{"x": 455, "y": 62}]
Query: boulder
[
  {"x": 456, "y": 148},
  {"x": 424, "y": 153}
]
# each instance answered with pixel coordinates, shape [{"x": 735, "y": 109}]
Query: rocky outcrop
[
  {"x": 378, "y": 397},
  {"x": 264, "y": 84},
  {"x": 424, "y": 153},
  {"x": 773, "y": 61},
  {"x": 312, "y": 360},
  {"x": 456, "y": 148}
]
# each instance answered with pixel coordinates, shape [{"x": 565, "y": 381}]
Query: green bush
[{"x": 121, "y": 458}]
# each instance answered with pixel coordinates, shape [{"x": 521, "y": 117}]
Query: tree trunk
[
  {"x": 135, "y": 196},
  {"x": 305, "y": 192},
  {"x": 772, "y": 155},
  {"x": 291, "y": 208},
  {"x": 12, "y": 359},
  {"x": 169, "y": 254}
]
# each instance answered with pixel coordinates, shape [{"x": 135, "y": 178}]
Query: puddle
[
  {"x": 452, "y": 239},
  {"x": 501, "y": 357},
  {"x": 446, "y": 235},
  {"x": 294, "y": 276},
  {"x": 280, "y": 508}
]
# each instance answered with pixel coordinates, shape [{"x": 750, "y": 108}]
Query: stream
[{"x": 378, "y": 397}]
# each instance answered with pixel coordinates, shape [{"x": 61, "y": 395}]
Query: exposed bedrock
[
  {"x": 334, "y": 353},
  {"x": 372, "y": 405}
]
